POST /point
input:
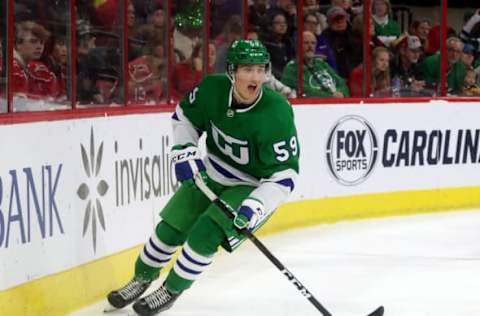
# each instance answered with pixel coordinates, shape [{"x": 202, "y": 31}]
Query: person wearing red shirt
[
  {"x": 145, "y": 84},
  {"x": 188, "y": 74},
  {"x": 30, "y": 76}
]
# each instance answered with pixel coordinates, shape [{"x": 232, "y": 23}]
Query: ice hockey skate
[
  {"x": 156, "y": 302},
  {"x": 127, "y": 294}
]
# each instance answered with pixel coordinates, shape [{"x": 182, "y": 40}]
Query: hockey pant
[{"x": 190, "y": 220}]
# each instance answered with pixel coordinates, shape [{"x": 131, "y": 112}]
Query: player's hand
[
  {"x": 187, "y": 161},
  {"x": 249, "y": 214}
]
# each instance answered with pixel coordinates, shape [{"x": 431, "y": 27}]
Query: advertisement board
[{"x": 75, "y": 191}]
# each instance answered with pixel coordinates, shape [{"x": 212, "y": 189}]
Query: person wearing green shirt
[
  {"x": 455, "y": 68},
  {"x": 320, "y": 80},
  {"x": 251, "y": 162},
  {"x": 386, "y": 29}
]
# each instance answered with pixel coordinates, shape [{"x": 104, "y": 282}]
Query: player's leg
[
  {"x": 156, "y": 253},
  {"x": 179, "y": 215},
  {"x": 196, "y": 255}
]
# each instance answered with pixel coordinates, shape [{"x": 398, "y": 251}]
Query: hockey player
[{"x": 251, "y": 163}]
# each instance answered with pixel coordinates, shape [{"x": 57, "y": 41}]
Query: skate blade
[{"x": 109, "y": 308}]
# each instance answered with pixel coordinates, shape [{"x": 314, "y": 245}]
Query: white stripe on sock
[
  {"x": 164, "y": 258},
  {"x": 196, "y": 256},
  {"x": 183, "y": 261}
]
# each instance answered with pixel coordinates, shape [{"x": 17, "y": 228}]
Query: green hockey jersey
[{"x": 255, "y": 146}]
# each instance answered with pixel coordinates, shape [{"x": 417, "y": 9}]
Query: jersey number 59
[{"x": 283, "y": 149}]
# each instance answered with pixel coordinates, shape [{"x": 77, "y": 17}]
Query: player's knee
[
  {"x": 205, "y": 236},
  {"x": 169, "y": 235}
]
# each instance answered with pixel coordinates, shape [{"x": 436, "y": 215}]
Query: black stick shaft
[
  {"x": 289, "y": 275},
  {"x": 303, "y": 290}
]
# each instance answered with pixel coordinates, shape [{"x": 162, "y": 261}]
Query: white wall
[{"x": 44, "y": 228}]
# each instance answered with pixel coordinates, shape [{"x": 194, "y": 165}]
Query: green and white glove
[
  {"x": 250, "y": 213},
  {"x": 187, "y": 162}
]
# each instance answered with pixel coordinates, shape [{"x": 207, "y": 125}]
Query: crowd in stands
[{"x": 404, "y": 61}]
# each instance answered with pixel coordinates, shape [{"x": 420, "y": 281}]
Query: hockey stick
[{"x": 289, "y": 275}]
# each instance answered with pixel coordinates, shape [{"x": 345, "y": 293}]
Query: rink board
[{"x": 78, "y": 197}]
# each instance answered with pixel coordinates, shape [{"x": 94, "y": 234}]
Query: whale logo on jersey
[
  {"x": 352, "y": 150},
  {"x": 234, "y": 148}
]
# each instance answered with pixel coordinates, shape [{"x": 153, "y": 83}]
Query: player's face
[{"x": 249, "y": 80}]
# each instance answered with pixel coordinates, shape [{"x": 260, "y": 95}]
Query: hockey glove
[
  {"x": 187, "y": 161},
  {"x": 249, "y": 214}
]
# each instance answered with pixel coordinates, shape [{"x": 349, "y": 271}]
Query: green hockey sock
[{"x": 196, "y": 254}]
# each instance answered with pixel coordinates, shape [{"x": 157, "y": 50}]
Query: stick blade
[{"x": 378, "y": 312}]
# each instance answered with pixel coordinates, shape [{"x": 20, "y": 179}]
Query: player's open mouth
[{"x": 252, "y": 88}]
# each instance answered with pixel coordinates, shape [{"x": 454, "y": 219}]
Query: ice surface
[{"x": 422, "y": 265}]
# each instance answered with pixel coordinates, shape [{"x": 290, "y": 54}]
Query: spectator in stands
[
  {"x": 312, "y": 7},
  {"x": 311, "y": 23},
  {"x": 320, "y": 80},
  {"x": 357, "y": 38},
  {"x": 434, "y": 39},
  {"x": 57, "y": 63},
  {"x": 468, "y": 55},
  {"x": 471, "y": 29},
  {"x": 130, "y": 15},
  {"x": 155, "y": 47},
  {"x": 278, "y": 43},
  {"x": 421, "y": 28},
  {"x": 188, "y": 30},
  {"x": 356, "y": 8},
  {"x": 386, "y": 28},
  {"x": 471, "y": 88},
  {"x": 1, "y": 58},
  {"x": 156, "y": 17},
  {"x": 455, "y": 68},
  {"x": 336, "y": 43},
  {"x": 380, "y": 80},
  {"x": 145, "y": 85},
  {"x": 155, "y": 25},
  {"x": 258, "y": 19},
  {"x": 188, "y": 74},
  {"x": 252, "y": 35},
  {"x": 106, "y": 16},
  {"x": 344, "y": 4},
  {"x": 86, "y": 41},
  {"x": 406, "y": 67},
  {"x": 104, "y": 71},
  {"x": 232, "y": 31},
  {"x": 32, "y": 77},
  {"x": 289, "y": 9},
  {"x": 136, "y": 40}
]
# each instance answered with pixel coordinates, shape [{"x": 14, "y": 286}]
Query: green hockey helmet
[{"x": 246, "y": 52}]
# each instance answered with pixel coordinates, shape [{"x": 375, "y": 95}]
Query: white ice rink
[{"x": 415, "y": 266}]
